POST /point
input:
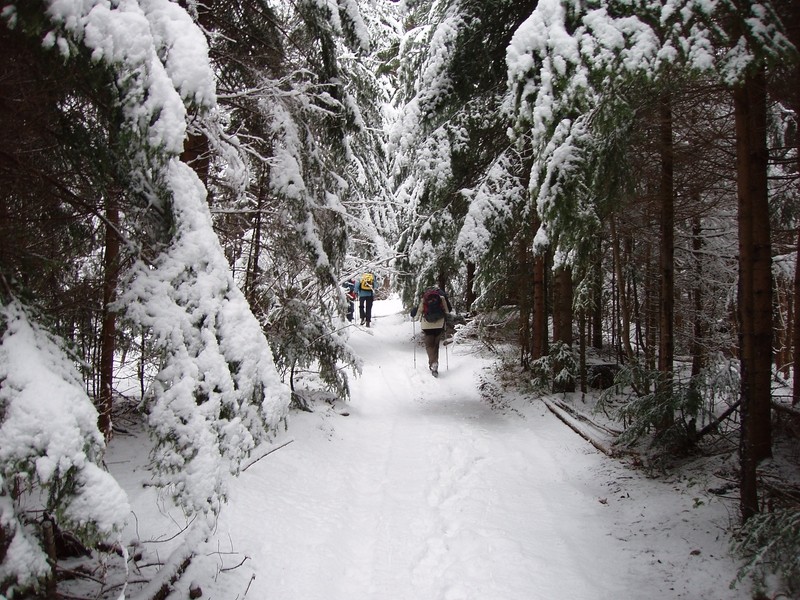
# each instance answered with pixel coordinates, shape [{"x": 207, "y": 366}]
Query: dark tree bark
[
  {"x": 539, "y": 334},
  {"x": 108, "y": 330},
  {"x": 755, "y": 283},
  {"x": 625, "y": 314},
  {"x": 796, "y": 326},
  {"x": 525, "y": 292},
  {"x": 470, "y": 285},
  {"x": 790, "y": 12},
  {"x": 597, "y": 299},
  {"x": 666, "y": 343},
  {"x": 253, "y": 270},
  {"x": 562, "y": 307},
  {"x": 563, "y": 320},
  {"x": 698, "y": 353}
]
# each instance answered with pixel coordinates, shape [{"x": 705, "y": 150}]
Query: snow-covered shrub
[
  {"x": 556, "y": 371},
  {"x": 51, "y": 453}
]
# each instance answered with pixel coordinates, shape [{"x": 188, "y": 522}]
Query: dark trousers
[
  {"x": 432, "y": 339},
  {"x": 365, "y": 308}
]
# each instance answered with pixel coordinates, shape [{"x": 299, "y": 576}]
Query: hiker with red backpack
[
  {"x": 365, "y": 287},
  {"x": 434, "y": 309}
]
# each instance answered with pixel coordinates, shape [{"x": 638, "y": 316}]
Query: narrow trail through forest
[{"x": 422, "y": 491}]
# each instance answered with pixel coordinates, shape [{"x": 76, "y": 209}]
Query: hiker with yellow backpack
[{"x": 365, "y": 287}]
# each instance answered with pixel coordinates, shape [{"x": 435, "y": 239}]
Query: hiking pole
[
  {"x": 414, "y": 340},
  {"x": 446, "y": 358}
]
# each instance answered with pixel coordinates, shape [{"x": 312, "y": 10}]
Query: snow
[
  {"x": 423, "y": 489},
  {"x": 50, "y": 447},
  {"x": 214, "y": 349}
]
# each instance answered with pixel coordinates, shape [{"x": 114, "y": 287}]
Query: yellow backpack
[{"x": 367, "y": 282}]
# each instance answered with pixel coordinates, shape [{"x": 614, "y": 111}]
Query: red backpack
[{"x": 433, "y": 305}]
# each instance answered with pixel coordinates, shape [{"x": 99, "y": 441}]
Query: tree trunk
[
  {"x": 253, "y": 270},
  {"x": 563, "y": 321},
  {"x": 755, "y": 284},
  {"x": 666, "y": 343},
  {"x": 525, "y": 293},
  {"x": 582, "y": 350},
  {"x": 470, "y": 297},
  {"x": 597, "y": 299},
  {"x": 108, "y": 328},
  {"x": 539, "y": 334},
  {"x": 796, "y": 326},
  {"x": 625, "y": 315},
  {"x": 698, "y": 354},
  {"x": 562, "y": 307},
  {"x": 792, "y": 21}
]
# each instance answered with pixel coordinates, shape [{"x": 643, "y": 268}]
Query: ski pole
[
  {"x": 446, "y": 358},
  {"x": 414, "y": 340}
]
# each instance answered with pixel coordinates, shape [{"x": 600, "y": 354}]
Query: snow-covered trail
[{"x": 423, "y": 493}]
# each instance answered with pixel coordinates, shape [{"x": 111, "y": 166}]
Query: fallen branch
[
  {"x": 226, "y": 569},
  {"x": 270, "y": 451},
  {"x": 572, "y": 423},
  {"x": 249, "y": 583},
  {"x": 715, "y": 423},
  {"x": 581, "y": 417}
]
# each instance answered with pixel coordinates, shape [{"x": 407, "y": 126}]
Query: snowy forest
[{"x": 607, "y": 187}]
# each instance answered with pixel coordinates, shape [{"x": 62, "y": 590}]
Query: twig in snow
[
  {"x": 225, "y": 570},
  {"x": 270, "y": 451},
  {"x": 249, "y": 583}
]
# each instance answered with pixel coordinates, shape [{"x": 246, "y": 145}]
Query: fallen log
[{"x": 573, "y": 423}]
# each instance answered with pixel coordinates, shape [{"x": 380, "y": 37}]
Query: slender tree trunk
[
  {"x": 597, "y": 299},
  {"x": 796, "y": 326},
  {"x": 539, "y": 334},
  {"x": 625, "y": 315},
  {"x": 666, "y": 344},
  {"x": 582, "y": 349},
  {"x": 524, "y": 284},
  {"x": 792, "y": 22},
  {"x": 253, "y": 270},
  {"x": 698, "y": 354},
  {"x": 108, "y": 328},
  {"x": 651, "y": 308},
  {"x": 755, "y": 284},
  {"x": 563, "y": 320},
  {"x": 470, "y": 297}
]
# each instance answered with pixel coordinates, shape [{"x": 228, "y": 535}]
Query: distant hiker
[
  {"x": 365, "y": 287},
  {"x": 350, "y": 292},
  {"x": 434, "y": 309}
]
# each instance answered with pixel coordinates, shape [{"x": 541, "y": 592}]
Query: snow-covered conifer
[{"x": 51, "y": 455}]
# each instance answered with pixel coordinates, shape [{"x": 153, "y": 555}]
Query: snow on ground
[{"x": 417, "y": 489}]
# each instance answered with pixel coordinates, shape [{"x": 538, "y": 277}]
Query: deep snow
[{"x": 421, "y": 489}]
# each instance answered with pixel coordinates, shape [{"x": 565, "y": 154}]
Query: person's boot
[{"x": 434, "y": 369}]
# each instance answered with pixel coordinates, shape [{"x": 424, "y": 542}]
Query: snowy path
[{"x": 425, "y": 493}]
